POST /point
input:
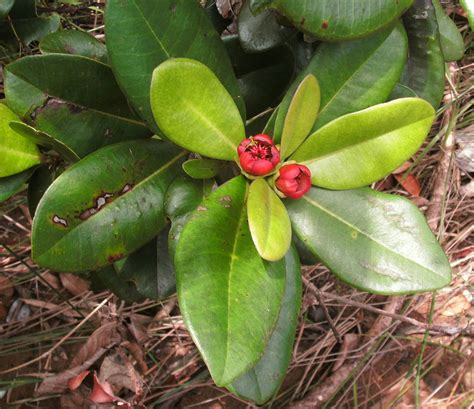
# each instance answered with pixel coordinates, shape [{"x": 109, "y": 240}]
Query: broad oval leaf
[
  {"x": 360, "y": 148},
  {"x": 202, "y": 168},
  {"x": 424, "y": 70},
  {"x": 452, "y": 43},
  {"x": 40, "y": 182},
  {"x": 352, "y": 75},
  {"x": 74, "y": 42},
  {"x": 229, "y": 297},
  {"x": 269, "y": 223},
  {"x": 194, "y": 110},
  {"x": 261, "y": 32},
  {"x": 17, "y": 152},
  {"x": 301, "y": 115},
  {"x": 141, "y": 34},
  {"x": 72, "y": 98},
  {"x": 338, "y": 19},
  {"x": 263, "y": 77},
  {"x": 373, "y": 241},
  {"x": 261, "y": 382},
  {"x": 12, "y": 184},
  {"x": 5, "y": 7},
  {"x": 104, "y": 207}
]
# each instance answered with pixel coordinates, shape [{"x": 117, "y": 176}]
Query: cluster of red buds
[{"x": 259, "y": 156}]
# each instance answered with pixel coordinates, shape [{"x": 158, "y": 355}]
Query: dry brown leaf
[
  {"x": 114, "y": 371},
  {"x": 410, "y": 184},
  {"x": 78, "y": 399},
  {"x": 456, "y": 306},
  {"x": 75, "y": 382},
  {"x": 50, "y": 306},
  {"x": 74, "y": 284},
  {"x": 229, "y": 8},
  {"x": 51, "y": 279},
  {"x": 104, "y": 337},
  {"x": 6, "y": 287}
]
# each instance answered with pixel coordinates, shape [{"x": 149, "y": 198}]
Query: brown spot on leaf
[
  {"x": 58, "y": 220},
  {"x": 114, "y": 257},
  {"x": 325, "y": 24},
  {"x": 303, "y": 20},
  {"x": 100, "y": 202},
  {"x": 126, "y": 188}
]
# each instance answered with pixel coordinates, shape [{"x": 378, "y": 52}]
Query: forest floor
[{"x": 353, "y": 349}]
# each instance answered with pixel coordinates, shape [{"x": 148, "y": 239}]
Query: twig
[
  {"x": 329, "y": 387},
  {"x": 317, "y": 294},
  {"x": 436, "y": 207},
  {"x": 442, "y": 329}
]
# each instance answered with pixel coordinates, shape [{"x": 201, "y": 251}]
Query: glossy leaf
[
  {"x": 373, "y": 241},
  {"x": 5, "y": 7},
  {"x": 263, "y": 77},
  {"x": 104, "y": 207},
  {"x": 261, "y": 32},
  {"x": 72, "y": 98},
  {"x": 261, "y": 382},
  {"x": 150, "y": 269},
  {"x": 17, "y": 152},
  {"x": 229, "y": 297},
  {"x": 41, "y": 180},
  {"x": 10, "y": 185},
  {"x": 194, "y": 110},
  {"x": 301, "y": 115},
  {"x": 352, "y": 75},
  {"x": 74, "y": 42},
  {"x": 269, "y": 224},
  {"x": 141, "y": 34},
  {"x": 424, "y": 71},
  {"x": 468, "y": 6},
  {"x": 43, "y": 139},
  {"x": 337, "y": 19},
  {"x": 360, "y": 148},
  {"x": 202, "y": 168},
  {"x": 183, "y": 197},
  {"x": 108, "y": 279},
  {"x": 452, "y": 43}
]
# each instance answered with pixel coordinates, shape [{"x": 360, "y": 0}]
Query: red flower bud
[
  {"x": 294, "y": 180},
  {"x": 258, "y": 155}
]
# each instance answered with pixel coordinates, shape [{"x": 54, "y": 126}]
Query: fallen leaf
[
  {"x": 78, "y": 399},
  {"x": 50, "y": 279},
  {"x": 102, "y": 392},
  {"x": 76, "y": 381},
  {"x": 410, "y": 184},
  {"x": 74, "y": 284},
  {"x": 6, "y": 287},
  {"x": 50, "y": 306},
  {"x": 456, "y": 306},
  {"x": 114, "y": 371}
]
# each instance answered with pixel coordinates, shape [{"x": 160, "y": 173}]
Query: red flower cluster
[
  {"x": 294, "y": 180},
  {"x": 258, "y": 155}
]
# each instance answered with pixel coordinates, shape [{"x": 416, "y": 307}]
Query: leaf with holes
[
  {"x": 72, "y": 98},
  {"x": 379, "y": 243},
  {"x": 230, "y": 298},
  {"x": 360, "y": 148},
  {"x": 104, "y": 207}
]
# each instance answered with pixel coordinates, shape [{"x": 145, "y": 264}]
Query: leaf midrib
[
  {"x": 231, "y": 264},
  {"x": 367, "y": 235},
  {"x": 122, "y": 197},
  {"x": 369, "y": 140}
]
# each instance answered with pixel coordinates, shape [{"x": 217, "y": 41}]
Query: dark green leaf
[
  {"x": 141, "y": 34},
  {"x": 39, "y": 183},
  {"x": 229, "y": 297},
  {"x": 72, "y": 98},
  {"x": 74, "y": 42},
  {"x": 352, "y": 75},
  {"x": 12, "y": 184},
  {"x": 261, "y": 32},
  {"x": 263, "y": 77},
  {"x": 424, "y": 71},
  {"x": 104, "y": 207},
  {"x": 194, "y": 110},
  {"x": 109, "y": 278},
  {"x": 5, "y": 7},
  {"x": 373, "y": 241},
  {"x": 451, "y": 40},
  {"x": 150, "y": 269},
  {"x": 43, "y": 139},
  {"x": 337, "y": 19},
  {"x": 360, "y": 148},
  {"x": 261, "y": 382}
]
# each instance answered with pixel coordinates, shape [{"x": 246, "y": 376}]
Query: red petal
[
  {"x": 289, "y": 171},
  {"x": 263, "y": 138},
  {"x": 261, "y": 167}
]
